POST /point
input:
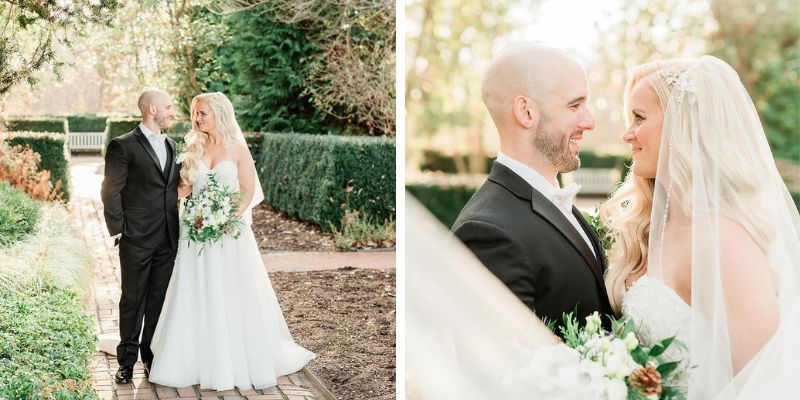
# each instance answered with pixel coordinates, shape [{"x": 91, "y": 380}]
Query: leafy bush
[
  {"x": 46, "y": 338},
  {"x": 317, "y": 177},
  {"x": 55, "y": 125},
  {"x": 118, "y": 127},
  {"x": 444, "y": 202},
  {"x": 18, "y": 215},
  {"x": 262, "y": 65},
  {"x": 54, "y": 157},
  {"x": 46, "y": 343}
]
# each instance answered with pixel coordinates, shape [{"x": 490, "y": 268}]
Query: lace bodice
[
  {"x": 226, "y": 172},
  {"x": 659, "y": 313}
]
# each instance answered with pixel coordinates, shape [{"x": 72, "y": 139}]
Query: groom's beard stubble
[{"x": 555, "y": 146}]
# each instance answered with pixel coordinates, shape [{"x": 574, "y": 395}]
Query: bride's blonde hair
[
  {"x": 627, "y": 213},
  {"x": 222, "y": 110}
]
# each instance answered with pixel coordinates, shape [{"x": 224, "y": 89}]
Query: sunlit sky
[{"x": 569, "y": 25}]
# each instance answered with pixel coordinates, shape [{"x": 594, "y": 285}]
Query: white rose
[
  {"x": 617, "y": 390},
  {"x": 593, "y": 322},
  {"x": 630, "y": 341},
  {"x": 618, "y": 365}
]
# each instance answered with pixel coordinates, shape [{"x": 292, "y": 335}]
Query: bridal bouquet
[
  {"x": 617, "y": 364},
  {"x": 210, "y": 213}
]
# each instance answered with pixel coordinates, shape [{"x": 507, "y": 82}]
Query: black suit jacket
[
  {"x": 524, "y": 240},
  {"x": 139, "y": 199}
]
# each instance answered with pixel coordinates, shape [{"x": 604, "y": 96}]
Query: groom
[
  {"x": 520, "y": 224},
  {"x": 140, "y": 200}
]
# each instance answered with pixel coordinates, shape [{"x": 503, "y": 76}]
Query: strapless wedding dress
[
  {"x": 659, "y": 313},
  {"x": 221, "y": 325}
]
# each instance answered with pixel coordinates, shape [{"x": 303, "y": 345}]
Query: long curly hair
[
  {"x": 222, "y": 110},
  {"x": 627, "y": 213}
]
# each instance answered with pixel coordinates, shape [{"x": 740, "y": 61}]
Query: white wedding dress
[
  {"x": 659, "y": 313},
  {"x": 221, "y": 325}
]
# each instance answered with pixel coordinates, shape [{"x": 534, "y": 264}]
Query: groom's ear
[{"x": 526, "y": 111}]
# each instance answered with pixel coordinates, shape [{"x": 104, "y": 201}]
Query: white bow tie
[{"x": 563, "y": 197}]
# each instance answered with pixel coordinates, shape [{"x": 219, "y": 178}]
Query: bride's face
[
  {"x": 204, "y": 116},
  {"x": 644, "y": 133}
]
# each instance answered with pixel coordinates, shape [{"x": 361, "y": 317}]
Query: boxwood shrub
[
  {"x": 18, "y": 215},
  {"x": 444, "y": 202},
  {"x": 46, "y": 343},
  {"x": 318, "y": 177},
  {"x": 25, "y": 124},
  {"x": 54, "y": 153}
]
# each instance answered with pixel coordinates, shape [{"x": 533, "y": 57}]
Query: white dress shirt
[
  {"x": 543, "y": 186},
  {"x": 158, "y": 142}
]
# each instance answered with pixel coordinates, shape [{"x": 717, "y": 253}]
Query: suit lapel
[
  {"x": 503, "y": 176},
  {"x": 171, "y": 164},
  {"x": 146, "y": 144}
]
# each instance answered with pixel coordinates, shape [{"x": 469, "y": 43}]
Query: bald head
[
  {"x": 152, "y": 97},
  {"x": 157, "y": 110},
  {"x": 529, "y": 70}
]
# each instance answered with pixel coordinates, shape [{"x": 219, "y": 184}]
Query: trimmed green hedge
[
  {"x": 253, "y": 139},
  {"x": 444, "y": 202},
  {"x": 436, "y": 161},
  {"x": 86, "y": 122},
  {"x": 118, "y": 127},
  {"x": 54, "y": 152},
  {"x": 180, "y": 128},
  {"x": 46, "y": 343},
  {"x": 55, "y": 125},
  {"x": 317, "y": 177},
  {"x": 18, "y": 215}
]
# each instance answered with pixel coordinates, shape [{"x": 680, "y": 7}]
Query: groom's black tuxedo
[
  {"x": 524, "y": 240},
  {"x": 140, "y": 201}
]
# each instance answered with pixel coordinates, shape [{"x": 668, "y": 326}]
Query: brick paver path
[{"x": 87, "y": 213}]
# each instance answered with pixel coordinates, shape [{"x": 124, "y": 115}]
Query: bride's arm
[
  {"x": 184, "y": 189},
  {"x": 247, "y": 177},
  {"x": 751, "y": 302}
]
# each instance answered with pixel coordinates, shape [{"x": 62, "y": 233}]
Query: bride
[
  {"x": 706, "y": 249},
  {"x": 221, "y": 325},
  {"x": 705, "y": 232}
]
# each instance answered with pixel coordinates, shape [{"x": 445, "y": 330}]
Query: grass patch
[
  {"x": 358, "y": 231},
  {"x": 18, "y": 215}
]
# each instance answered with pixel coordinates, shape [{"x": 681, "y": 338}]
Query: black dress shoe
[
  {"x": 147, "y": 366},
  {"x": 124, "y": 375}
]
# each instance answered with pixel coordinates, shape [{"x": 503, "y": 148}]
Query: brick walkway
[{"x": 87, "y": 212}]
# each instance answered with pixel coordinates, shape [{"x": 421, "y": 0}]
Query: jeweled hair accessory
[
  {"x": 678, "y": 82},
  {"x": 215, "y": 100},
  {"x": 669, "y": 77}
]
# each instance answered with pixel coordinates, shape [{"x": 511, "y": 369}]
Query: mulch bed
[
  {"x": 347, "y": 317},
  {"x": 277, "y": 231}
]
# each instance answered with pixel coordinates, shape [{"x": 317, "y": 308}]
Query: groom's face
[
  {"x": 563, "y": 119},
  {"x": 165, "y": 112}
]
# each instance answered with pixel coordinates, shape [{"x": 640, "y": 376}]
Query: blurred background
[{"x": 451, "y": 140}]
